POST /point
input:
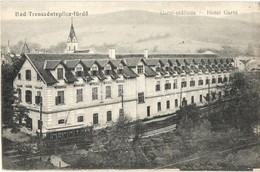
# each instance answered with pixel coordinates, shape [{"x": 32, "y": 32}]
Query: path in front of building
[
  {"x": 57, "y": 161},
  {"x": 158, "y": 119}
]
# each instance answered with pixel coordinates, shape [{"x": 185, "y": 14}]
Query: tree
[
  {"x": 12, "y": 112},
  {"x": 241, "y": 103}
]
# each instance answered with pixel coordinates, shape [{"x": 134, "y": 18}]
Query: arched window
[
  {"x": 95, "y": 118},
  {"x": 28, "y": 75},
  {"x": 28, "y": 96}
]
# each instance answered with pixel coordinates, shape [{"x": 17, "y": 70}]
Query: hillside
[{"x": 133, "y": 31}]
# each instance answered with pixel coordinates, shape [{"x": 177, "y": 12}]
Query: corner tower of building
[{"x": 72, "y": 42}]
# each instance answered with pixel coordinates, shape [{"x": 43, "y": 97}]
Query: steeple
[
  {"x": 72, "y": 42},
  {"x": 25, "y": 48}
]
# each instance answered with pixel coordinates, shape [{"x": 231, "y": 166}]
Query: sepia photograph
[{"x": 130, "y": 85}]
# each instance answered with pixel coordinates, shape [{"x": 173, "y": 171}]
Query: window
[
  {"x": 28, "y": 96},
  {"x": 120, "y": 69},
  {"x": 79, "y": 95},
  {"x": 80, "y": 118},
  {"x": 168, "y": 104},
  {"x": 19, "y": 93},
  {"x": 38, "y": 98},
  {"x": 94, "y": 93},
  {"x": 200, "y": 81},
  {"x": 120, "y": 90},
  {"x": 183, "y": 84},
  {"x": 148, "y": 111},
  {"x": 60, "y": 98},
  {"x": 109, "y": 116},
  {"x": 140, "y": 69},
  {"x": 201, "y": 98},
  {"x": 192, "y": 99},
  {"x": 79, "y": 72},
  {"x": 107, "y": 70},
  {"x": 61, "y": 121},
  {"x": 94, "y": 70},
  {"x": 219, "y": 80},
  {"x": 192, "y": 83},
  {"x": 108, "y": 91},
  {"x": 213, "y": 95},
  {"x": 184, "y": 102},
  {"x": 207, "y": 81},
  {"x": 121, "y": 112},
  {"x": 141, "y": 97},
  {"x": 157, "y": 86},
  {"x": 219, "y": 95},
  {"x": 157, "y": 69},
  {"x": 175, "y": 84},
  {"x": 19, "y": 76},
  {"x": 159, "y": 107},
  {"x": 38, "y": 77},
  {"x": 28, "y": 75},
  {"x": 60, "y": 73},
  {"x": 95, "y": 118},
  {"x": 225, "y": 79},
  {"x": 39, "y": 124},
  {"x": 176, "y": 102},
  {"x": 167, "y": 85},
  {"x": 213, "y": 80}
]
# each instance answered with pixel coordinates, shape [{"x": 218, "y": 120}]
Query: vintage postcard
[{"x": 130, "y": 85}]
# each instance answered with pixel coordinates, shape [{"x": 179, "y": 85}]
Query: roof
[
  {"x": 152, "y": 62},
  {"x": 51, "y": 64},
  {"x": 149, "y": 71},
  {"x": 72, "y": 63},
  {"x": 194, "y": 69},
  {"x": 88, "y": 63},
  {"x": 25, "y": 48},
  {"x": 115, "y": 62},
  {"x": 244, "y": 61},
  {"x": 132, "y": 62},
  {"x": 72, "y": 33},
  {"x": 129, "y": 73},
  {"x": 164, "y": 61},
  {"x": 102, "y": 62}
]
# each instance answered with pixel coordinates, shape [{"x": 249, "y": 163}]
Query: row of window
[
  {"x": 167, "y": 85},
  {"x": 28, "y": 76},
  {"x": 95, "y": 118}
]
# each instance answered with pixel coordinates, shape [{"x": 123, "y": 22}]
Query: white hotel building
[{"x": 80, "y": 89}]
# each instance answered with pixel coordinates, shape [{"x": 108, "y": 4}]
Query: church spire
[
  {"x": 25, "y": 48},
  {"x": 72, "y": 34},
  {"x": 72, "y": 43}
]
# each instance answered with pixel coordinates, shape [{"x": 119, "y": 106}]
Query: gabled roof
[
  {"x": 129, "y": 73},
  {"x": 88, "y": 63},
  {"x": 152, "y": 62},
  {"x": 25, "y": 48},
  {"x": 102, "y": 62},
  {"x": 172, "y": 62},
  {"x": 195, "y": 69},
  {"x": 196, "y": 61},
  {"x": 244, "y": 61},
  {"x": 51, "y": 64},
  {"x": 202, "y": 68},
  {"x": 72, "y": 63},
  {"x": 133, "y": 62},
  {"x": 163, "y": 61},
  {"x": 187, "y": 61},
  {"x": 115, "y": 62},
  {"x": 149, "y": 72},
  {"x": 180, "y": 62}
]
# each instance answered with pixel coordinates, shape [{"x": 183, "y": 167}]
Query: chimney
[
  {"x": 112, "y": 53},
  {"x": 145, "y": 53}
]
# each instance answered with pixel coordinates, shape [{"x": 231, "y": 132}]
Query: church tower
[{"x": 72, "y": 43}]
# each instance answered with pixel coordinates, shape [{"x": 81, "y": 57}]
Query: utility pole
[
  {"x": 181, "y": 95},
  {"x": 122, "y": 102},
  {"x": 40, "y": 98}
]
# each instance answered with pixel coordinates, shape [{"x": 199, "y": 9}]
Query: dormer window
[
  {"x": 79, "y": 72},
  {"x": 107, "y": 70},
  {"x": 140, "y": 69},
  {"x": 120, "y": 69},
  {"x": 94, "y": 70},
  {"x": 167, "y": 67},
  {"x": 60, "y": 73}
]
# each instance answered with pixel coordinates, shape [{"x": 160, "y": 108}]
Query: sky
[{"x": 10, "y": 7}]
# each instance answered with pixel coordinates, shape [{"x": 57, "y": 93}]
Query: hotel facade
[{"x": 86, "y": 89}]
